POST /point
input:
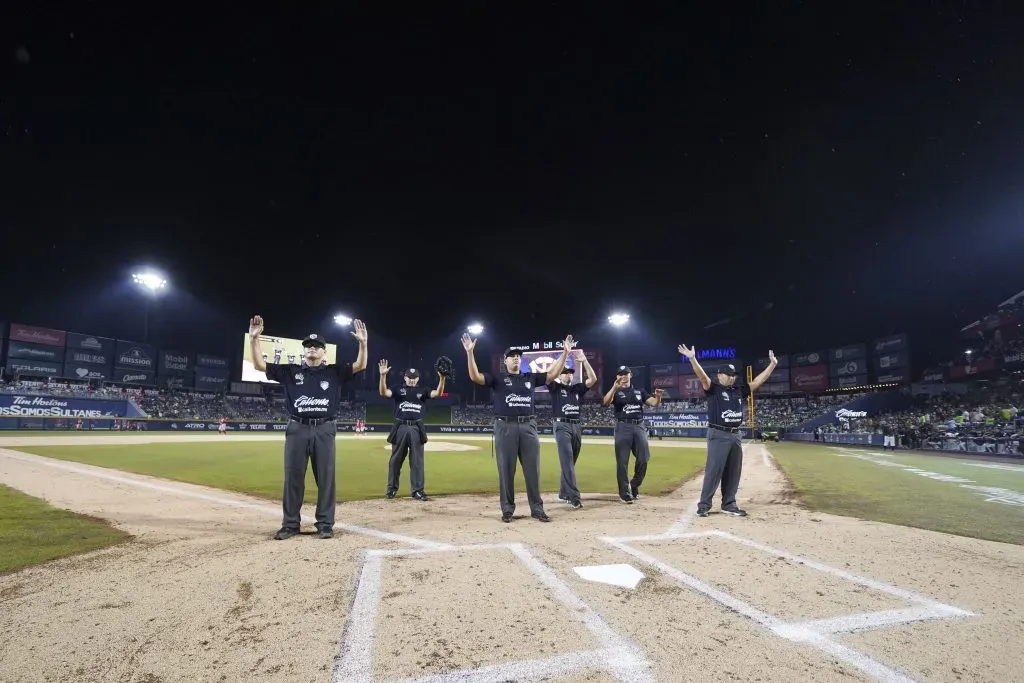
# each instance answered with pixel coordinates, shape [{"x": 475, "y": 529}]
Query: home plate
[{"x": 624, "y": 575}]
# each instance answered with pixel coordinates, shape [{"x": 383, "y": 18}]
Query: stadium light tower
[
  {"x": 151, "y": 284},
  {"x": 342, "y": 320},
  {"x": 618, "y": 319},
  {"x": 475, "y": 329}
]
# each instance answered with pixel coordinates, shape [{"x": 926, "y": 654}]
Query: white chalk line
[
  {"x": 618, "y": 656},
  {"x": 815, "y": 632},
  {"x": 180, "y": 490}
]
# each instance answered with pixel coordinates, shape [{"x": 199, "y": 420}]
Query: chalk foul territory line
[{"x": 181, "y": 491}]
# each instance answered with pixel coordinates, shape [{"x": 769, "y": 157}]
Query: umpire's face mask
[{"x": 512, "y": 364}]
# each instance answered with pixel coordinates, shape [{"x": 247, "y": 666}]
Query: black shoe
[
  {"x": 703, "y": 512},
  {"x": 576, "y": 504},
  {"x": 734, "y": 511},
  {"x": 419, "y": 495},
  {"x": 541, "y": 516},
  {"x": 635, "y": 492},
  {"x": 285, "y": 532},
  {"x": 506, "y": 517},
  {"x": 628, "y": 500},
  {"x": 563, "y": 499},
  {"x": 325, "y": 532},
  {"x": 391, "y": 494}
]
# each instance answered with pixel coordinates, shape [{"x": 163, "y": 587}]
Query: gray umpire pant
[
  {"x": 724, "y": 466},
  {"x": 515, "y": 440},
  {"x": 630, "y": 437},
  {"x": 313, "y": 442},
  {"x": 406, "y": 443},
  {"x": 568, "y": 439}
]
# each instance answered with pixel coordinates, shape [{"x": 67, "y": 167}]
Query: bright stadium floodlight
[
  {"x": 149, "y": 281},
  {"x": 618, "y": 319},
  {"x": 475, "y": 328},
  {"x": 342, "y": 320}
]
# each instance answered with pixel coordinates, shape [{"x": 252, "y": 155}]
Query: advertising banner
[
  {"x": 678, "y": 420},
  {"x": 664, "y": 381},
  {"x": 848, "y": 352},
  {"x": 33, "y": 368},
  {"x": 981, "y": 367},
  {"x": 31, "y": 351},
  {"x": 809, "y": 358},
  {"x": 173, "y": 362},
  {"x": 1015, "y": 358},
  {"x": 848, "y": 368},
  {"x": 88, "y": 348},
  {"x": 812, "y": 378},
  {"x": 211, "y": 379},
  {"x": 761, "y": 363},
  {"x": 37, "y": 335},
  {"x": 775, "y": 388},
  {"x": 82, "y": 371},
  {"x": 778, "y": 376},
  {"x": 14, "y": 405},
  {"x": 670, "y": 370},
  {"x": 175, "y": 381},
  {"x": 893, "y": 376},
  {"x": 134, "y": 356},
  {"x": 892, "y": 361},
  {"x": 937, "y": 375},
  {"x": 282, "y": 350},
  {"x": 131, "y": 376},
  {"x": 207, "y": 360},
  {"x": 842, "y": 381},
  {"x": 891, "y": 344},
  {"x": 690, "y": 387}
]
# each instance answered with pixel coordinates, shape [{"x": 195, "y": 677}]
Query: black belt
[
  {"x": 515, "y": 418},
  {"x": 731, "y": 430},
  {"x": 407, "y": 422},
  {"x": 630, "y": 420},
  {"x": 570, "y": 420},
  {"x": 311, "y": 420}
]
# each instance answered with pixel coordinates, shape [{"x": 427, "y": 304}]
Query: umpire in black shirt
[
  {"x": 725, "y": 416},
  {"x": 407, "y": 436},
  {"x": 515, "y": 423},
  {"x": 567, "y": 426},
  {"x": 312, "y": 394},
  {"x": 630, "y": 432}
]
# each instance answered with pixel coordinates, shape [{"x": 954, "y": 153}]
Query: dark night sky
[{"x": 813, "y": 175}]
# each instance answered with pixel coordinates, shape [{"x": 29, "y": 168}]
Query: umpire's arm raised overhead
[
  {"x": 434, "y": 393},
  {"x": 475, "y": 375},
  {"x": 382, "y": 387},
  {"x": 755, "y": 384},
  {"x": 359, "y": 332},
  {"x": 556, "y": 368},
  {"x": 255, "y": 330}
]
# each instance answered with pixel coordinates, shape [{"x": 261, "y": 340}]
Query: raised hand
[
  {"x": 771, "y": 357},
  {"x": 383, "y": 367},
  {"x": 359, "y": 330},
  {"x": 468, "y": 342},
  {"x": 568, "y": 343},
  {"x": 579, "y": 355},
  {"x": 255, "y": 326},
  {"x": 688, "y": 352}
]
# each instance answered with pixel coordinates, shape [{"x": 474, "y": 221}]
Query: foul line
[
  {"x": 180, "y": 491},
  {"x": 618, "y": 656}
]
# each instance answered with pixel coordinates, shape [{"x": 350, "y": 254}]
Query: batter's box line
[
  {"x": 617, "y": 656},
  {"x": 814, "y": 633}
]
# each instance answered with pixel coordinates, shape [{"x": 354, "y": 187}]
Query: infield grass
[
  {"x": 256, "y": 467},
  {"x": 32, "y": 531},
  {"x": 951, "y": 495}
]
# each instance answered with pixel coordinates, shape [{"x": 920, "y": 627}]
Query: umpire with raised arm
[
  {"x": 312, "y": 396},
  {"x": 567, "y": 425},
  {"x": 725, "y": 417},
  {"x": 630, "y": 432},
  {"x": 407, "y": 436},
  {"x": 515, "y": 423}
]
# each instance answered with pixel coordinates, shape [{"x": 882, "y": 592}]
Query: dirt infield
[{"x": 443, "y": 591}]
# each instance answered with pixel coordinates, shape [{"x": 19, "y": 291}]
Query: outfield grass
[
  {"x": 33, "y": 531},
  {"x": 831, "y": 480},
  {"x": 256, "y": 467}
]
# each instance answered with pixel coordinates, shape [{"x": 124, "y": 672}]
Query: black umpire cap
[
  {"x": 623, "y": 370},
  {"x": 314, "y": 340},
  {"x": 512, "y": 352},
  {"x": 412, "y": 373},
  {"x": 729, "y": 369},
  {"x": 568, "y": 370}
]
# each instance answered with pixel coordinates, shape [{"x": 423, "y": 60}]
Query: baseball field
[{"x": 853, "y": 564}]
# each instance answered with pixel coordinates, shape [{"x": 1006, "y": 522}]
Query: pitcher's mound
[{"x": 444, "y": 446}]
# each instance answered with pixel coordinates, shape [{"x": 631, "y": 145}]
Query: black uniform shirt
[
  {"x": 311, "y": 392},
  {"x": 629, "y": 403},
  {"x": 565, "y": 399},
  {"x": 409, "y": 402},
  {"x": 512, "y": 395},
  {"x": 725, "y": 405}
]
